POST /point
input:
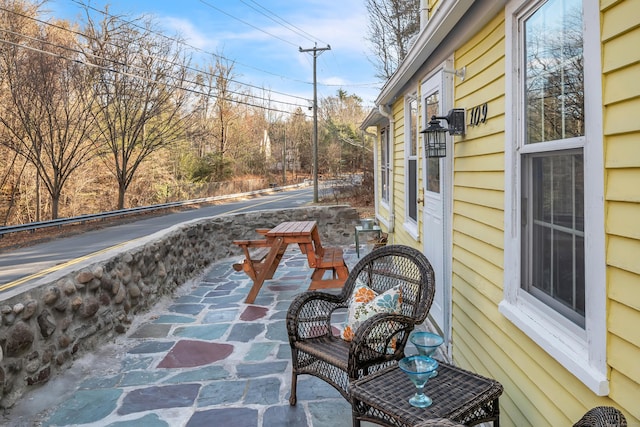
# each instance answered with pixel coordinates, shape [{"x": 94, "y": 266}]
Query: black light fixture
[{"x": 435, "y": 138}]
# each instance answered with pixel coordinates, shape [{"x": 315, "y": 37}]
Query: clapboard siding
[
  {"x": 539, "y": 391},
  {"x": 478, "y": 240},
  {"x": 621, "y": 97}
]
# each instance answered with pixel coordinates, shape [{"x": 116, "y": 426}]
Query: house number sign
[{"x": 478, "y": 114}]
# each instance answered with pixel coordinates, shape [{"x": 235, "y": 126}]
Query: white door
[{"x": 437, "y": 199}]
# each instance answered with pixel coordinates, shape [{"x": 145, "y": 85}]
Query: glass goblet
[
  {"x": 419, "y": 369},
  {"x": 426, "y": 343}
]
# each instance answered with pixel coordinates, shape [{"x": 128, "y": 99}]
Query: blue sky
[{"x": 265, "y": 49}]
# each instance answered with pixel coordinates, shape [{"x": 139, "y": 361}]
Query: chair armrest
[
  {"x": 379, "y": 339},
  {"x": 309, "y": 314}
]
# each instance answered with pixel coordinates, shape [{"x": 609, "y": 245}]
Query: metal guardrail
[{"x": 32, "y": 226}]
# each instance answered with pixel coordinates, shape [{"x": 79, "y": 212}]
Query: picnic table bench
[{"x": 262, "y": 256}]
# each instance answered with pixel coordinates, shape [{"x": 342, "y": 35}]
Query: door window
[
  {"x": 411, "y": 135},
  {"x": 432, "y": 107}
]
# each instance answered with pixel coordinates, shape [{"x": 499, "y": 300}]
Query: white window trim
[
  {"x": 409, "y": 224},
  {"x": 581, "y": 351}
]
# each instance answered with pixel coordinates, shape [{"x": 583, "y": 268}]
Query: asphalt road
[{"x": 23, "y": 264}]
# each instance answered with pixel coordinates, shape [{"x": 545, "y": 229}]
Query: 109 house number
[{"x": 478, "y": 114}]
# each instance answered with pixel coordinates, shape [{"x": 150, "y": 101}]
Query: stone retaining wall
[{"x": 48, "y": 323}]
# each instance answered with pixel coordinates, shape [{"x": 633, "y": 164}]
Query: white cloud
[{"x": 185, "y": 28}]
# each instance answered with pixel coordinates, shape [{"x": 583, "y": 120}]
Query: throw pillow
[{"x": 366, "y": 303}]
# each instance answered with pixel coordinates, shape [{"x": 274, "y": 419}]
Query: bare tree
[
  {"x": 392, "y": 25},
  {"x": 140, "y": 86},
  {"x": 46, "y": 112},
  {"x": 299, "y": 137},
  {"x": 215, "y": 113},
  {"x": 224, "y": 111},
  {"x": 339, "y": 116},
  {"x": 200, "y": 134},
  {"x": 252, "y": 142}
]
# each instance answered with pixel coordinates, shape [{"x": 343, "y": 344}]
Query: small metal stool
[{"x": 361, "y": 229}]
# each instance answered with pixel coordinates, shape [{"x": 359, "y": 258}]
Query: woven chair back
[{"x": 397, "y": 265}]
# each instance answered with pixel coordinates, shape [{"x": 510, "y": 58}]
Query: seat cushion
[{"x": 365, "y": 303}]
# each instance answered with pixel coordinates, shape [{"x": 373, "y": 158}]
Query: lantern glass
[{"x": 436, "y": 143}]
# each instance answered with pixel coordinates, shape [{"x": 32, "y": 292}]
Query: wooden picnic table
[{"x": 262, "y": 256}]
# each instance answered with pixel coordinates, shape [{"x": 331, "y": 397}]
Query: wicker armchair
[
  {"x": 378, "y": 341},
  {"x": 602, "y": 416}
]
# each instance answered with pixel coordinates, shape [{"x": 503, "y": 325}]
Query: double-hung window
[{"x": 554, "y": 227}]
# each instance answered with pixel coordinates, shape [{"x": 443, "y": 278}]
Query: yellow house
[{"x": 532, "y": 217}]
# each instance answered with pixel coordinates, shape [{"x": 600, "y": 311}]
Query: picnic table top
[{"x": 292, "y": 228}]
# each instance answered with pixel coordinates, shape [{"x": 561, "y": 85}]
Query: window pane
[
  {"x": 554, "y": 271},
  {"x": 554, "y": 72},
  {"x": 579, "y": 183},
  {"x": 542, "y": 262},
  {"x": 432, "y": 103},
  {"x": 433, "y": 175},
  {"x": 413, "y": 190},
  {"x": 383, "y": 180},
  {"x": 563, "y": 269},
  {"x": 384, "y": 164},
  {"x": 412, "y": 160},
  {"x": 413, "y": 119},
  {"x": 383, "y": 148},
  {"x": 579, "y": 251}
]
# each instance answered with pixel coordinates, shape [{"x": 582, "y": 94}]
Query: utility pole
[{"x": 316, "y": 51}]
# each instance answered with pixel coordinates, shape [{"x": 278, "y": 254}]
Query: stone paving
[{"x": 201, "y": 358}]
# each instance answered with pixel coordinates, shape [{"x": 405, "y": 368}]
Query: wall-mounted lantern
[{"x": 435, "y": 135}]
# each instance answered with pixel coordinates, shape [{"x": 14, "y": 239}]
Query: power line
[
  {"x": 136, "y": 76},
  {"x": 282, "y": 22},
  {"x": 79, "y": 52},
  {"x": 178, "y": 41},
  {"x": 197, "y": 49},
  {"x": 197, "y": 70},
  {"x": 246, "y": 23}
]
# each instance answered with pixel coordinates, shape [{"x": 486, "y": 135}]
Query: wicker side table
[{"x": 459, "y": 395}]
